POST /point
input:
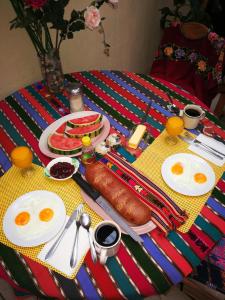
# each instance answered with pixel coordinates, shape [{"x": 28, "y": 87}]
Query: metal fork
[
  {"x": 74, "y": 254},
  {"x": 191, "y": 142}
]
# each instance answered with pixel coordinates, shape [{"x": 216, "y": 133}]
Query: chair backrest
[{"x": 192, "y": 57}]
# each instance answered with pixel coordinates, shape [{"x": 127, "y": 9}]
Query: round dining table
[{"x": 137, "y": 271}]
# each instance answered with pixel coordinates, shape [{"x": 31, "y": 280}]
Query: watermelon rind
[
  {"x": 93, "y": 119},
  {"x": 90, "y": 131},
  {"x": 59, "y": 151}
]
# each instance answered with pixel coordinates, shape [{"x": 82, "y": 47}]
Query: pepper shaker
[{"x": 76, "y": 97}]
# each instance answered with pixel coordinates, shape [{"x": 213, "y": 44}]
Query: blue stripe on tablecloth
[
  {"x": 139, "y": 94},
  {"x": 216, "y": 206},
  {"x": 30, "y": 111},
  {"x": 4, "y": 161},
  {"x": 86, "y": 284},
  {"x": 173, "y": 274}
]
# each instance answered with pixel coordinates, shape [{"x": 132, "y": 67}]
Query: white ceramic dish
[
  {"x": 185, "y": 183},
  {"x": 35, "y": 232},
  {"x": 43, "y": 145},
  {"x": 72, "y": 161},
  {"x": 93, "y": 205}
]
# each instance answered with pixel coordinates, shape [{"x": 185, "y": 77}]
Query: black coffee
[
  {"x": 107, "y": 235},
  {"x": 192, "y": 112}
]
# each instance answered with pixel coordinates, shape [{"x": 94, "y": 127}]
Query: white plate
[
  {"x": 72, "y": 161},
  {"x": 185, "y": 183},
  {"x": 43, "y": 141},
  {"x": 35, "y": 232},
  {"x": 93, "y": 205}
]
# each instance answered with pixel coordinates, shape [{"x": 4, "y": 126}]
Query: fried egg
[{"x": 34, "y": 217}]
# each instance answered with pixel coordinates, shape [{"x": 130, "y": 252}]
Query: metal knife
[
  {"x": 103, "y": 203},
  {"x": 51, "y": 251}
]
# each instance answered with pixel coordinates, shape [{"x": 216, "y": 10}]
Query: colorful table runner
[{"x": 136, "y": 271}]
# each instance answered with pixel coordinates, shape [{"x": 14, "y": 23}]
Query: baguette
[{"x": 118, "y": 194}]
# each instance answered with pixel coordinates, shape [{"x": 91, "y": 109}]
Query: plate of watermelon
[{"x": 63, "y": 137}]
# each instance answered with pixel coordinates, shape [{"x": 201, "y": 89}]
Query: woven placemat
[
  {"x": 13, "y": 185},
  {"x": 150, "y": 162}
]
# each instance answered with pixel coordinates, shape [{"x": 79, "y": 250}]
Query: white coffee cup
[
  {"x": 192, "y": 114},
  {"x": 107, "y": 238}
]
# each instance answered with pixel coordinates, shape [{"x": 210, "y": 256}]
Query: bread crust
[{"x": 118, "y": 195}]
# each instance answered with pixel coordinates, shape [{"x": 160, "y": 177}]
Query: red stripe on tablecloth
[
  {"x": 43, "y": 276},
  {"x": 213, "y": 218},
  {"x": 221, "y": 185},
  {"x": 31, "y": 140},
  {"x": 42, "y": 111},
  {"x": 203, "y": 237},
  {"x": 171, "y": 252},
  {"x": 6, "y": 277},
  {"x": 181, "y": 92},
  {"x": 109, "y": 100},
  {"x": 5, "y": 141},
  {"x": 145, "y": 287},
  {"x": 102, "y": 279},
  {"x": 129, "y": 96}
]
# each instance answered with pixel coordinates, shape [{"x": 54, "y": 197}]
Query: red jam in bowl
[{"x": 62, "y": 170}]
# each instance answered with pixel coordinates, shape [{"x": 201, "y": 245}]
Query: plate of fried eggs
[
  {"x": 34, "y": 218},
  {"x": 188, "y": 174}
]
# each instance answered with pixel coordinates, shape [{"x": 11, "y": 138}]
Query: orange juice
[
  {"x": 174, "y": 126},
  {"x": 22, "y": 157}
]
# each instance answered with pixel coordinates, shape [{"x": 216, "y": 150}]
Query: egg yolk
[
  {"x": 22, "y": 218},
  {"x": 177, "y": 169},
  {"x": 46, "y": 214},
  {"x": 200, "y": 178}
]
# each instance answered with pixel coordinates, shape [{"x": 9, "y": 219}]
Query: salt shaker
[{"x": 76, "y": 97}]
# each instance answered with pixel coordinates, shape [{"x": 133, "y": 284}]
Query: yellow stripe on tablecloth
[
  {"x": 150, "y": 162},
  {"x": 13, "y": 185}
]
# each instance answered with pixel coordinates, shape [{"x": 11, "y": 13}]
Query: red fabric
[{"x": 183, "y": 73}]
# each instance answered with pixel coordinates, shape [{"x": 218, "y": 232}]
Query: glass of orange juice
[
  {"x": 174, "y": 127},
  {"x": 22, "y": 158}
]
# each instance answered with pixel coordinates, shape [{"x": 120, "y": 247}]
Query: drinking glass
[
  {"x": 22, "y": 157},
  {"x": 174, "y": 127}
]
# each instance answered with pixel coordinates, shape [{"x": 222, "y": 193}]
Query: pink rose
[
  {"x": 92, "y": 17},
  {"x": 36, "y": 4},
  {"x": 213, "y": 36}
]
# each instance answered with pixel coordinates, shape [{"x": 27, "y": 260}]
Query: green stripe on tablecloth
[
  {"x": 209, "y": 229},
  {"x": 218, "y": 195},
  {"x": 18, "y": 140},
  {"x": 129, "y": 157},
  {"x": 184, "y": 249},
  {"x": 24, "y": 116},
  {"x": 144, "y": 261},
  {"x": 18, "y": 270},
  {"x": 121, "y": 279},
  {"x": 116, "y": 115},
  {"x": 126, "y": 103},
  {"x": 161, "y": 86},
  {"x": 44, "y": 102}
]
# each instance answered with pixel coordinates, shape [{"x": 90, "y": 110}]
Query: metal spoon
[{"x": 86, "y": 223}]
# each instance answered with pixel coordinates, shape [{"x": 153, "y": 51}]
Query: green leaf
[
  {"x": 69, "y": 35},
  {"x": 77, "y": 26}
]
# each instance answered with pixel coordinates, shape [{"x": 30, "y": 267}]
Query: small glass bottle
[
  {"x": 76, "y": 97},
  {"x": 88, "y": 152}
]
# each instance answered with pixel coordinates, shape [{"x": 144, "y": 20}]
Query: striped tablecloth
[{"x": 136, "y": 272}]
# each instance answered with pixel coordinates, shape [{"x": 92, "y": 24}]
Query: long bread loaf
[{"x": 119, "y": 196}]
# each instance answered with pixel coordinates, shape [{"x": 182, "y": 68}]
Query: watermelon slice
[
  {"x": 85, "y": 121},
  {"x": 59, "y": 144},
  {"x": 61, "y": 129},
  {"x": 91, "y": 131}
]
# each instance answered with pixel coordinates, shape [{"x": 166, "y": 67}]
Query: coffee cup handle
[
  {"x": 103, "y": 257},
  {"x": 203, "y": 115}
]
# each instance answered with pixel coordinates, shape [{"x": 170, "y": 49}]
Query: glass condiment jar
[
  {"x": 88, "y": 152},
  {"x": 75, "y": 97}
]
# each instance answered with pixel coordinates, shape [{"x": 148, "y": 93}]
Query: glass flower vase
[{"x": 51, "y": 69}]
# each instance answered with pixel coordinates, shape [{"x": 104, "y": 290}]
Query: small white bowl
[{"x": 72, "y": 161}]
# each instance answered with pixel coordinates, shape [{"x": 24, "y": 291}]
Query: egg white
[{"x": 35, "y": 227}]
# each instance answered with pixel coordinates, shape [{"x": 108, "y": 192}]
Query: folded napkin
[
  {"x": 165, "y": 214},
  {"x": 60, "y": 260},
  {"x": 212, "y": 143}
]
